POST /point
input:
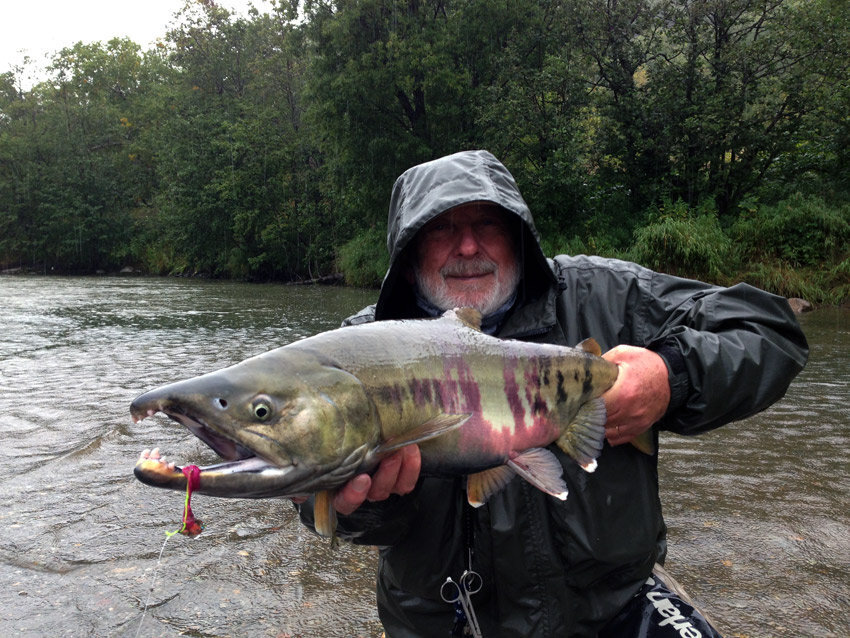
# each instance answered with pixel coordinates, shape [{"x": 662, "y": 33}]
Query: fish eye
[{"x": 262, "y": 408}]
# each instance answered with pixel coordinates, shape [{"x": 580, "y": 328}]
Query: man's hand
[
  {"x": 640, "y": 395},
  {"x": 397, "y": 474}
]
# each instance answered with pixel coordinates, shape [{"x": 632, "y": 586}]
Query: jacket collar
[{"x": 532, "y": 318}]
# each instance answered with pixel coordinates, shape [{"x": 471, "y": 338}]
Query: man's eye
[
  {"x": 438, "y": 229},
  {"x": 490, "y": 225}
]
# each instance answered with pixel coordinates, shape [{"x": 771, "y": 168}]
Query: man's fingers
[
  {"x": 384, "y": 479},
  {"x": 640, "y": 395},
  {"x": 408, "y": 474},
  {"x": 617, "y": 435},
  {"x": 397, "y": 474},
  {"x": 352, "y": 494}
]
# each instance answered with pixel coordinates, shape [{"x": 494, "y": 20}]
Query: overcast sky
[{"x": 41, "y": 27}]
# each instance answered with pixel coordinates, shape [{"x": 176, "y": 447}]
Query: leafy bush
[
  {"x": 780, "y": 279},
  {"x": 801, "y": 230},
  {"x": 839, "y": 291},
  {"x": 557, "y": 244},
  {"x": 363, "y": 260},
  {"x": 682, "y": 242}
]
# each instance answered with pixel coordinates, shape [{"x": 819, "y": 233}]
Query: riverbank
[{"x": 776, "y": 285}]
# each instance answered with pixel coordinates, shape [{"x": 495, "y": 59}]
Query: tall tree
[
  {"x": 393, "y": 83},
  {"x": 74, "y": 181},
  {"x": 234, "y": 195},
  {"x": 700, "y": 98}
]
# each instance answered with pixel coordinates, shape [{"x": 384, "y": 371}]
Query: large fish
[{"x": 307, "y": 417}]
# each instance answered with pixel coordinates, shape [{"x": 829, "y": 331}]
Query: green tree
[
  {"x": 699, "y": 99},
  {"x": 392, "y": 84},
  {"x": 259, "y": 147},
  {"x": 65, "y": 142},
  {"x": 235, "y": 196},
  {"x": 534, "y": 113}
]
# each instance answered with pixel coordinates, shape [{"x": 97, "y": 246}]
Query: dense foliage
[{"x": 705, "y": 138}]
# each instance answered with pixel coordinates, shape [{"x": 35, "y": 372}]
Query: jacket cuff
[{"x": 677, "y": 374}]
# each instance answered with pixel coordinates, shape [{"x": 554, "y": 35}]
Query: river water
[{"x": 758, "y": 511}]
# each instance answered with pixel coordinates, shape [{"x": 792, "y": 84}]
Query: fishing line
[
  {"x": 153, "y": 582},
  {"x": 190, "y": 527}
]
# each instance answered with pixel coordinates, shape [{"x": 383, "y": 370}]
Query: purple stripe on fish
[{"x": 512, "y": 393}]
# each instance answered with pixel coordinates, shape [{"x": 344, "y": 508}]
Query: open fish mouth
[
  {"x": 236, "y": 476},
  {"x": 156, "y": 471},
  {"x": 225, "y": 447}
]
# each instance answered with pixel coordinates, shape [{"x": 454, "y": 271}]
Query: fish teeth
[{"x": 153, "y": 455}]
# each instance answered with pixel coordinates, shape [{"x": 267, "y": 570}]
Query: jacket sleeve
[
  {"x": 731, "y": 352},
  {"x": 381, "y": 523}
]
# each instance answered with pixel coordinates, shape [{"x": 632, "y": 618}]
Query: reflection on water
[{"x": 757, "y": 510}]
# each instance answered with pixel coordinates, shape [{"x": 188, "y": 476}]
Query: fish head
[{"x": 288, "y": 420}]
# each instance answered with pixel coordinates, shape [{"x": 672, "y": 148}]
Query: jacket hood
[{"x": 426, "y": 191}]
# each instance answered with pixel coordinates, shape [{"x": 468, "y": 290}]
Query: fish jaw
[
  {"x": 244, "y": 474},
  {"x": 211, "y": 406},
  {"x": 248, "y": 478}
]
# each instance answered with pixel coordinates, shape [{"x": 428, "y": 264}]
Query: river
[{"x": 758, "y": 510}]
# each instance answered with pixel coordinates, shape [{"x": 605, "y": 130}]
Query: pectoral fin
[
  {"x": 432, "y": 428},
  {"x": 645, "y": 442},
  {"x": 583, "y": 438}
]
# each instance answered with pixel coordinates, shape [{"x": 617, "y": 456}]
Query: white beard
[{"x": 436, "y": 292}]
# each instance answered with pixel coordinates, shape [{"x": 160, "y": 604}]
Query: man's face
[{"x": 467, "y": 257}]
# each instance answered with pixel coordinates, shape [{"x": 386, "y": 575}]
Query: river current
[{"x": 758, "y": 510}]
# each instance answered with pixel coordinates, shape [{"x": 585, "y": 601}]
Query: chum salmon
[{"x": 306, "y": 417}]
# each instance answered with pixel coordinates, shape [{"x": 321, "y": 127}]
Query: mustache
[{"x": 469, "y": 267}]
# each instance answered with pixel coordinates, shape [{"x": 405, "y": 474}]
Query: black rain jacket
[{"x": 553, "y": 568}]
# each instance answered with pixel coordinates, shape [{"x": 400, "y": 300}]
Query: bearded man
[{"x": 692, "y": 357}]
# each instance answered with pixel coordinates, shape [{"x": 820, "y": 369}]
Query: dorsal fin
[
  {"x": 468, "y": 316},
  {"x": 590, "y": 345}
]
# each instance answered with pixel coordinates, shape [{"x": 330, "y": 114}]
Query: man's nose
[{"x": 467, "y": 241}]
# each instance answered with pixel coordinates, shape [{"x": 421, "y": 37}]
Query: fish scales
[{"x": 518, "y": 411}]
